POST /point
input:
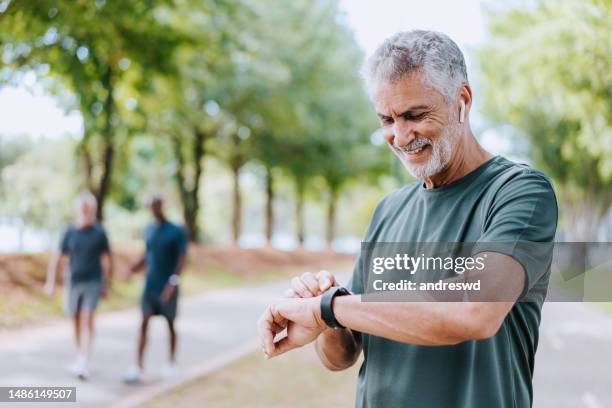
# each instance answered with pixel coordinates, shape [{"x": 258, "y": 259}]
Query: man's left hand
[
  {"x": 301, "y": 318},
  {"x": 106, "y": 290},
  {"x": 168, "y": 292}
]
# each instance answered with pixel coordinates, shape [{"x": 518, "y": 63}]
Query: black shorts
[{"x": 152, "y": 304}]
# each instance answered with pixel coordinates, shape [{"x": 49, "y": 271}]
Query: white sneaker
[
  {"x": 83, "y": 372},
  {"x": 133, "y": 375},
  {"x": 170, "y": 372},
  {"x": 79, "y": 368},
  {"x": 74, "y": 367}
]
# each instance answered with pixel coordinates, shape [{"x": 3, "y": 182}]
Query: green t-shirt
[{"x": 500, "y": 201}]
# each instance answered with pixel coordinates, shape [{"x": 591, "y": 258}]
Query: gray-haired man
[
  {"x": 86, "y": 245},
  {"x": 434, "y": 354}
]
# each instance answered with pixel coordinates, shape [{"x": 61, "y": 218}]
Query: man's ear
[{"x": 465, "y": 102}]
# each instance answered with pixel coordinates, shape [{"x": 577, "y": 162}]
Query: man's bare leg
[
  {"x": 172, "y": 331},
  {"x": 142, "y": 339},
  {"x": 87, "y": 319},
  {"x": 76, "y": 319}
]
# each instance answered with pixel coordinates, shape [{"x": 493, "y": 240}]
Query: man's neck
[
  {"x": 467, "y": 157},
  {"x": 82, "y": 224}
]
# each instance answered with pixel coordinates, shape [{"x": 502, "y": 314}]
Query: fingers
[
  {"x": 265, "y": 327},
  {"x": 310, "y": 285},
  {"x": 282, "y": 346},
  {"x": 326, "y": 280},
  {"x": 290, "y": 293},
  {"x": 300, "y": 288},
  {"x": 311, "y": 282}
]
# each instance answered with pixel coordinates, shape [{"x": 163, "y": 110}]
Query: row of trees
[
  {"x": 547, "y": 72},
  {"x": 264, "y": 80}
]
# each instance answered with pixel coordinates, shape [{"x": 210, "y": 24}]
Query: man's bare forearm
[
  {"x": 108, "y": 267},
  {"x": 139, "y": 264},
  {"x": 338, "y": 349},
  {"x": 429, "y": 324},
  {"x": 55, "y": 264}
]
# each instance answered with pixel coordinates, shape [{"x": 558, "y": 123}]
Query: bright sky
[
  {"x": 373, "y": 21},
  {"x": 39, "y": 115}
]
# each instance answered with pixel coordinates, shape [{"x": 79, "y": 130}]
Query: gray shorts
[
  {"x": 152, "y": 305},
  {"x": 82, "y": 296}
]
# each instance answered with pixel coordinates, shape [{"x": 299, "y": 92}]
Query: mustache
[{"x": 417, "y": 143}]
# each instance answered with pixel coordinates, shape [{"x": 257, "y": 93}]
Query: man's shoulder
[
  {"x": 174, "y": 230},
  {"x": 510, "y": 173},
  {"x": 99, "y": 228},
  {"x": 176, "y": 227}
]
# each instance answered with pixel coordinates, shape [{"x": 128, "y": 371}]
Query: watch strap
[{"x": 327, "y": 311}]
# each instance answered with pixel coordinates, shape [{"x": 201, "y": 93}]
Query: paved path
[
  {"x": 213, "y": 327},
  {"x": 574, "y": 358},
  {"x": 573, "y": 364}
]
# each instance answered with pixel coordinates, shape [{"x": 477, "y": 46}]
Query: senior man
[{"x": 434, "y": 354}]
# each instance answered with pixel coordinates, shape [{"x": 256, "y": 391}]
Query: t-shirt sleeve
[
  {"x": 521, "y": 223},
  {"x": 105, "y": 245},
  {"x": 183, "y": 242},
  {"x": 64, "y": 247}
]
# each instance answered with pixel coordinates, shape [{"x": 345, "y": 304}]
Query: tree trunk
[
  {"x": 299, "y": 213},
  {"x": 269, "y": 205},
  {"x": 88, "y": 163},
  {"x": 191, "y": 220},
  {"x": 190, "y": 194},
  {"x": 237, "y": 204},
  {"x": 105, "y": 181},
  {"x": 331, "y": 218},
  {"x": 109, "y": 148}
]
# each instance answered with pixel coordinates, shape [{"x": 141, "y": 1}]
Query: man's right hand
[
  {"x": 311, "y": 285},
  {"x": 337, "y": 349}
]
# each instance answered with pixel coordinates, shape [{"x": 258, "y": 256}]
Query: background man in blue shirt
[{"x": 166, "y": 247}]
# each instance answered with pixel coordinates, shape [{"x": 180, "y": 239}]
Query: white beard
[{"x": 441, "y": 153}]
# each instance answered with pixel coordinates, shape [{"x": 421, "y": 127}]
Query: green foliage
[
  {"x": 163, "y": 83},
  {"x": 100, "y": 52},
  {"x": 12, "y": 148},
  {"x": 41, "y": 195},
  {"x": 547, "y": 71}
]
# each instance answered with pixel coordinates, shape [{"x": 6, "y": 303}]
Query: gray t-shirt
[
  {"x": 500, "y": 201},
  {"x": 85, "y": 246}
]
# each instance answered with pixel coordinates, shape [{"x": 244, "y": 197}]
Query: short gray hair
[
  {"x": 85, "y": 197},
  {"x": 429, "y": 53}
]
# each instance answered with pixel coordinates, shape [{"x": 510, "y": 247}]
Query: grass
[
  {"x": 25, "y": 307},
  {"x": 296, "y": 379}
]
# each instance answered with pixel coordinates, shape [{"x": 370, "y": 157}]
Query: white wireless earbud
[{"x": 462, "y": 112}]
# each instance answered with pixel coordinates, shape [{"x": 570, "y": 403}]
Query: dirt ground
[{"x": 22, "y": 276}]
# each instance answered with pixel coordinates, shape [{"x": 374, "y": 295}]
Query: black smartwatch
[{"x": 327, "y": 311}]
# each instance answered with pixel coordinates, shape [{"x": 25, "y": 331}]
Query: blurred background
[{"x": 250, "y": 117}]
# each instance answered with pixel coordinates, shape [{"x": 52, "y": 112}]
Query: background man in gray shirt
[{"x": 86, "y": 246}]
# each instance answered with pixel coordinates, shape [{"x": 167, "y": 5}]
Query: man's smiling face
[{"x": 417, "y": 124}]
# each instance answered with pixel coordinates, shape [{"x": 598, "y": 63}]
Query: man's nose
[{"x": 403, "y": 133}]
